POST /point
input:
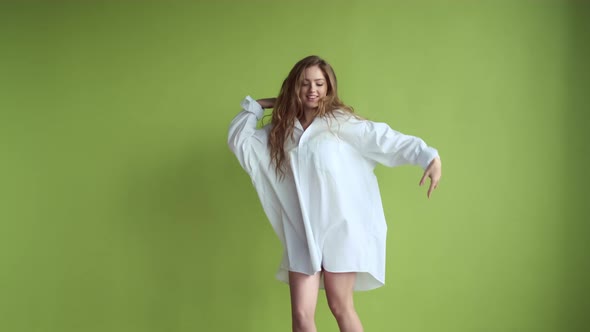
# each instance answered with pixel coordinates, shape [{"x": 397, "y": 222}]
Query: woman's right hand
[{"x": 267, "y": 102}]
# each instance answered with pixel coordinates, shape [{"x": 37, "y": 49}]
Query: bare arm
[{"x": 267, "y": 102}]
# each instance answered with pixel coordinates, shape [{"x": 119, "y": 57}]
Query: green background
[{"x": 122, "y": 209}]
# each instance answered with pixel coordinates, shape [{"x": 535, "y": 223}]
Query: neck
[{"x": 307, "y": 118}]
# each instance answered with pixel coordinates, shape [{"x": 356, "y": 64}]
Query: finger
[
  {"x": 431, "y": 188},
  {"x": 423, "y": 178}
]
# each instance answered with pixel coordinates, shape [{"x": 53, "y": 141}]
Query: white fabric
[{"x": 327, "y": 211}]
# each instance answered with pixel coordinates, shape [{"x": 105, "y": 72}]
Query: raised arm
[
  {"x": 267, "y": 102},
  {"x": 242, "y": 129}
]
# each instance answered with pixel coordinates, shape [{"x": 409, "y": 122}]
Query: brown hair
[{"x": 289, "y": 106}]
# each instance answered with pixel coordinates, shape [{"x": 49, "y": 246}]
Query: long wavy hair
[{"x": 289, "y": 107}]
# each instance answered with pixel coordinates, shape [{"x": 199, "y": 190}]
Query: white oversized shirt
[{"x": 327, "y": 210}]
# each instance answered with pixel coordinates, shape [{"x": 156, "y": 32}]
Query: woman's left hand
[{"x": 434, "y": 172}]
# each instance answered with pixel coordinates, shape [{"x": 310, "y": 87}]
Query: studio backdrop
[{"x": 123, "y": 210}]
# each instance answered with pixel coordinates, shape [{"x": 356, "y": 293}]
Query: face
[{"x": 313, "y": 88}]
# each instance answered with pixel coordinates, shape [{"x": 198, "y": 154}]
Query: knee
[
  {"x": 303, "y": 320},
  {"x": 341, "y": 309}
]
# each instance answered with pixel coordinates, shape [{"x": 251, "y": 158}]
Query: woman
[{"x": 312, "y": 167}]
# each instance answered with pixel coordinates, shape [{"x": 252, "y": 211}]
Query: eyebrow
[{"x": 317, "y": 79}]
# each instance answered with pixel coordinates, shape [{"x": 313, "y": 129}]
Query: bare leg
[
  {"x": 339, "y": 290},
  {"x": 304, "y": 296}
]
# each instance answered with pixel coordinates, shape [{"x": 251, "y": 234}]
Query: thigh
[
  {"x": 304, "y": 291},
  {"x": 339, "y": 287}
]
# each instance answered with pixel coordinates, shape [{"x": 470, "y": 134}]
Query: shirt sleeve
[
  {"x": 242, "y": 130},
  {"x": 379, "y": 142}
]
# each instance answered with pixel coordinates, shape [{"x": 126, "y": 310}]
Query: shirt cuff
[
  {"x": 250, "y": 105},
  {"x": 426, "y": 157}
]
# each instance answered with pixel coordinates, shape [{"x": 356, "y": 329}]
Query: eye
[{"x": 321, "y": 84}]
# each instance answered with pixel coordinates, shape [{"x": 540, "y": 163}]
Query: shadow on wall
[{"x": 577, "y": 158}]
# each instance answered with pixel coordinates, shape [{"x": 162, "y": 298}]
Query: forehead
[{"x": 313, "y": 73}]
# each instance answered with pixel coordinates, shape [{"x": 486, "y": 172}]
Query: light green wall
[{"x": 121, "y": 208}]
